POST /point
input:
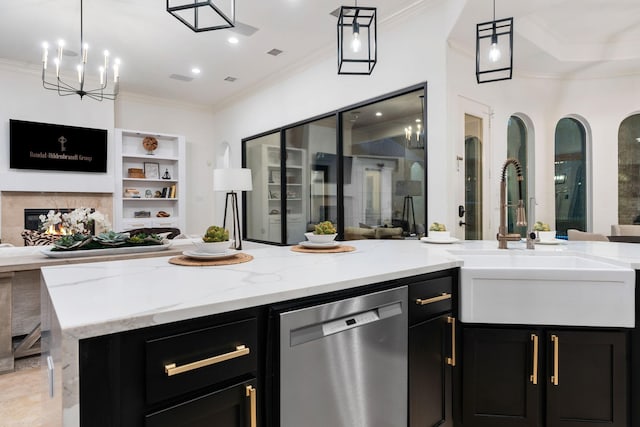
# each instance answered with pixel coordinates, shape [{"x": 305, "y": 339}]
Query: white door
[{"x": 473, "y": 209}]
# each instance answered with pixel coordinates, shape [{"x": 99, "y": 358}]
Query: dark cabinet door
[
  {"x": 498, "y": 378},
  {"x": 586, "y": 379},
  {"x": 234, "y": 406},
  {"x": 429, "y": 373}
]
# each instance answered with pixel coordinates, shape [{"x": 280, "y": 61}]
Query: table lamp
[{"x": 232, "y": 180}]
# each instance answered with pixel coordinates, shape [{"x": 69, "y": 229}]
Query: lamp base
[{"x": 237, "y": 234}]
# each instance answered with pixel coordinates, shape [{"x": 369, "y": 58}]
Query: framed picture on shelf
[
  {"x": 152, "y": 170},
  {"x": 275, "y": 177}
]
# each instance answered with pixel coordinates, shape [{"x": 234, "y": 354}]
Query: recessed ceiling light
[
  {"x": 418, "y": 120},
  {"x": 195, "y": 70},
  {"x": 233, "y": 40},
  {"x": 378, "y": 114}
]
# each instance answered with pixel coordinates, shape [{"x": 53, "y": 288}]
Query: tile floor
[{"x": 21, "y": 395}]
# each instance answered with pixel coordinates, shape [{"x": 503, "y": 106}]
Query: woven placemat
[
  {"x": 192, "y": 262},
  {"x": 337, "y": 249}
]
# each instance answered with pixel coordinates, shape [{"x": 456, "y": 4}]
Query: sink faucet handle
[{"x": 531, "y": 240}]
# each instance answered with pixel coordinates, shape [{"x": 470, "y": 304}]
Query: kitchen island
[{"x": 98, "y": 299}]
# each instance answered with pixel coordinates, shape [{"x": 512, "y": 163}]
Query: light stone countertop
[{"x": 93, "y": 299}]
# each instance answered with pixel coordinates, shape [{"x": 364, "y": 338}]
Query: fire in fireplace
[{"x": 32, "y": 218}]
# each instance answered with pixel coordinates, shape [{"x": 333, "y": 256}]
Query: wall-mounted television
[{"x": 52, "y": 147}]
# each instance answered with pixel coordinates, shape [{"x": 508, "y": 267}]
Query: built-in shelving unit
[
  {"x": 140, "y": 201},
  {"x": 276, "y": 184}
]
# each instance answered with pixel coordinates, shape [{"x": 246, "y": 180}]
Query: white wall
[
  {"x": 23, "y": 98},
  {"x": 202, "y": 145},
  {"x": 604, "y": 103},
  {"x": 412, "y": 49}
]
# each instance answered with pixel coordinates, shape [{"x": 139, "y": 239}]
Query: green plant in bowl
[
  {"x": 215, "y": 234},
  {"x": 436, "y": 226},
  {"x": 541, "y": 226},
  {"x": 324, "y": 227}
]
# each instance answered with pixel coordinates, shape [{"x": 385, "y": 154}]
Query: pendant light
[
  {"x": 357, "y": 40},
  {"x": 204, "y": 15},
  {"x": 494, "y": 49}
]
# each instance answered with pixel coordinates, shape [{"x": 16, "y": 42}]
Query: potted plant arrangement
[
  {"x": 215, "y": 240},
  {"x": 323, "y": 232},
  {"x": 543, "y": 231},
  {"x": 438, "y": 231}
]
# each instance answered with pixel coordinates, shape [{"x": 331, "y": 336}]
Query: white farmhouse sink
[{"x": 545, "y": 288}]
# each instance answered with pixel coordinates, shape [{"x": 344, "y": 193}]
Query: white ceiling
[{"x": 562, "y": 38}]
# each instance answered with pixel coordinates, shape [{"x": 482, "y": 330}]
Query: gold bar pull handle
[
  {"x": 556, "y": 344},
  {"x": 251, "y": 394},
  {"x": 534, "y": 376},
  {"x": 452, "y": 360},
  {"x": 442, "y": 297},
  {"x": 172, "y": 369}
]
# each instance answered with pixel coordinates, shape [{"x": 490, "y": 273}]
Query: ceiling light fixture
[
  {"x": 378, "y": 114},
  {"x": 64, "y": 88},
  {"x": 233, "y": 40},
  {"x": 494, "y": 49},
  {"x": 203, "y": 15},
  {"x": 195, "y": 70},
  {"x": 360, "y": 26}
]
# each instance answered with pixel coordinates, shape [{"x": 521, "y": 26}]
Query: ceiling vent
[
  {"x": 230, "y": 79},
  {"x": 180, "y": 77},
  {"x": 274, "y": 52}
]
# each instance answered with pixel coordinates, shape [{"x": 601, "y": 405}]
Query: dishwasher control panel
[{"x": 339, "y": 325}]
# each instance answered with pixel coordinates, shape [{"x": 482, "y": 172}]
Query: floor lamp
[
  {"x": 232, "y": 180},
  {"x": 409, "y": 189}
]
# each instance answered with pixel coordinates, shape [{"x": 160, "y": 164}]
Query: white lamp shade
[{"x": 232, "y": 179}]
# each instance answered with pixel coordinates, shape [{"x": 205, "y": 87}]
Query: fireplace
[
  {"x": 14, "y": 204},
  {"x": 32, "y": 216}
]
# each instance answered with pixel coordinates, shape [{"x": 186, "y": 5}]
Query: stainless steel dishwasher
[{"x": 344, "y": 363}]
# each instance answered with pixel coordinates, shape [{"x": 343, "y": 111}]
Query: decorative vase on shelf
[
  {"x": 166, "y": 174},
  {"x": 150, "y": 144}
]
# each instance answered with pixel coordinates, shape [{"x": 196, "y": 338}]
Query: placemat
[
  {"x": 337, "y": 249},
  {"x": 191, "y": 262}
]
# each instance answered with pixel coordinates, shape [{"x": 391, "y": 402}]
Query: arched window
[
  {"x": 517, "y": 148},
  {"x": 570, "y": 176},
  {"x": 629, "y": 170}
]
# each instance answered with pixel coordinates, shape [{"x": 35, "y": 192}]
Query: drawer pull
[
  {"x": 442, "y": 297},
  {"x": 556, "y": 344},
  {"x": 534, "y": 376},
  {"x": 251, "y": 394},
  {"x": 451, "y": 361},
  {"x": 172, "y": 369}
]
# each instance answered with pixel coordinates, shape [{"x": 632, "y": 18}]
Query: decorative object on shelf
[
  {"x": 152, "y": 170},
  {"x": 148, "y": 193},
  {"x": 142, "y": 214},
  {"x": 232, "y": 180},
  {"x": 166, "y": 174},
  {"x": 360, "y": 26},
  {"x": 494, "y": 49},
  {"x": 274, "y": 177},
  {"x": 150, "y": 144},
  {"x": 63, "y": 88},
  {"x": 135, "y": 173},
  {"x": 80, "y": 220},
  {"x": 203, "y": 15},
  {"x": 157, "y": 194},
  {"x": 163, "y": 214},
  {"x": 131, "y": 193}
]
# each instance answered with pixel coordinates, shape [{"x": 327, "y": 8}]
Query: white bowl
[
  {"x": 439, "y": 235},
  {"x": 212, "y": 247},
  {"x": 320, "y": 238},
  {"x": 547, "y": 236}
]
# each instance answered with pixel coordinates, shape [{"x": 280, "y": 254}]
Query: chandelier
[{"x": 63, "y": 88}]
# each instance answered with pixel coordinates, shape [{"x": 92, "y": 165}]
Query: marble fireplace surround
[{"x": 15, "y": 202}]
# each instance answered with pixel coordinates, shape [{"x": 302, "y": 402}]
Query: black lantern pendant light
[
  {"x": 357, "y": 40},
  {"x": 494, "y": 49},
  {"x": 204, "y": 15}
]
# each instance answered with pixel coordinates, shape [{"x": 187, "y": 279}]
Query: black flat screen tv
[{"x": 51, "y": 147}]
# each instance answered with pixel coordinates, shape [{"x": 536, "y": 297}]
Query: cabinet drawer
[
  {"x": 189, "y": 361},
  {"x": 430, "y": 298},
  {"x": 231, "y": 406}
]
